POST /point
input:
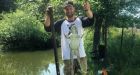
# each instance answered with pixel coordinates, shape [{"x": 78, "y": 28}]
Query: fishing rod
[{"x": 50, "y": 13}]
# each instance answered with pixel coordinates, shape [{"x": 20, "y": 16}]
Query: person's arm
[
  {"x": 47, "y": 21},
  {"x": 47, "y": 26},
  {"x": 57, "y": 25},
  {"x": 86, "y": 22},
  {"x": 89, "y": 19},
  {"x": 87, "y": 9}
]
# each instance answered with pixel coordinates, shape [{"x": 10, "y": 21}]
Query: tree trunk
[
  {"x": 97, "y": 32},
  {"x": 106, "y": 32},
  {"x": 122, "y": 38},
  {"x": 133, "y": 36}
]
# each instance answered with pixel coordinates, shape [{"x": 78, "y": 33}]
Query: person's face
[{"x": 69, "y": 11}]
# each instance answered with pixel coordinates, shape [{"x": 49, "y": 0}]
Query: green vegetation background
[{"x": 21, "y": 28}]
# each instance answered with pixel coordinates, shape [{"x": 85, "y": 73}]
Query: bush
[{"x": 22, "y": 30}]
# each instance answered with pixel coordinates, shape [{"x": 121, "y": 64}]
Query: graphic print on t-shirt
[
  {"x": 71, "y": 39},
  {"x": 74, "y": 40}
]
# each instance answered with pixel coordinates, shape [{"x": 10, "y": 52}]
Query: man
[{"x": 64, "y": 27}]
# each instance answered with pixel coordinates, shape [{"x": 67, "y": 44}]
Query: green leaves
[
  {"x": 19, "y": 29},
  {"x": 125, "y": 61}
]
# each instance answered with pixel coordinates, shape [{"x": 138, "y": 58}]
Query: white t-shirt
[
  {"x": 65, "y": 41},
  {"x": 62, "y": 26}
]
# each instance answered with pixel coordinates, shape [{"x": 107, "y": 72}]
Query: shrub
[{"x": 22, "y": 30}]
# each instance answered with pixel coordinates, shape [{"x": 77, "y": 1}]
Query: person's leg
[
  {"x": 83, "y": 63},
  {"x": 67, "y": 67}
]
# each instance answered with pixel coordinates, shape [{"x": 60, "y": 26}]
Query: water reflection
[
  {"x": 52, "y": 71},
  {"x": 29, "y": 63}
]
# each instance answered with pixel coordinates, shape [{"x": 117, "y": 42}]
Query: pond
[{"x": 29, "y": 63}]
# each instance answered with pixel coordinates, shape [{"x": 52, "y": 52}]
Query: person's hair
[{"x": 68, "y": 3}]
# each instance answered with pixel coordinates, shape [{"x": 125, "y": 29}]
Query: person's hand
[
  {"x": 48, "y": 14},
  {"x": 86, "y": 6},
  {"x": 49, "y": 11}
]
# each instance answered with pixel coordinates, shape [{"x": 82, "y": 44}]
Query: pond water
[{"x": 29, "y": 63}]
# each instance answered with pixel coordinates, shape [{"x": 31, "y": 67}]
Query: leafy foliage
[
  {"x": 7, "y": 5},
  {"x": 22, "y": 30},
  {"x": 124, "y": 61}
]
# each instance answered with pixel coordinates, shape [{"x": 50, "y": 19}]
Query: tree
[
  {"x": 109, "y": 14},
  {"x": 7, "y": 5}
]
